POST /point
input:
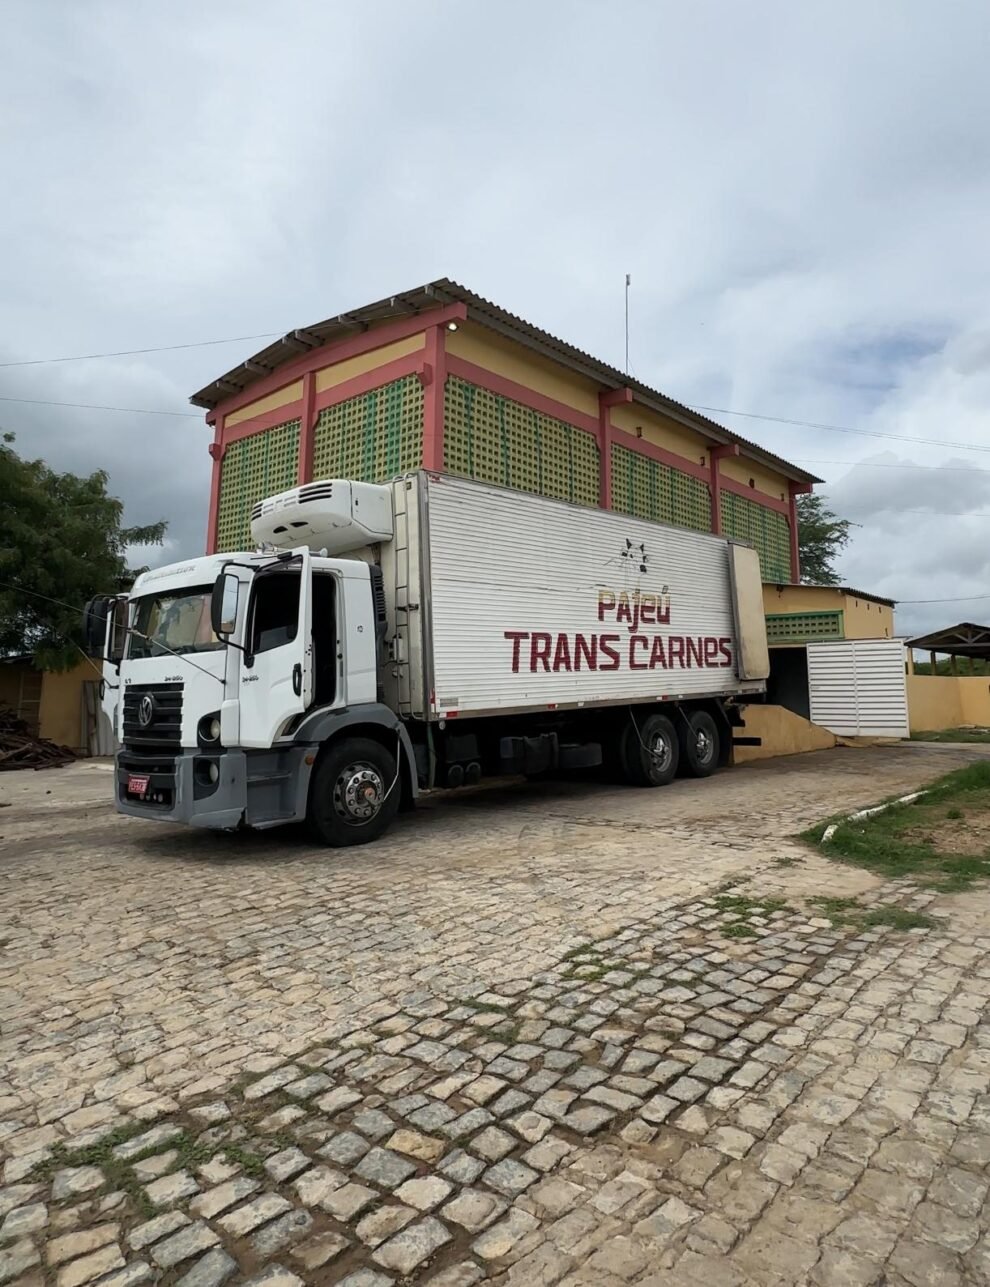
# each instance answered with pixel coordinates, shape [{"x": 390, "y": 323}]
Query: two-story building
[{"x": 441, "y": 379}]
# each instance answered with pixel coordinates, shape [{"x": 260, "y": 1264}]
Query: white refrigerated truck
[{"x": 423, "y": 633}]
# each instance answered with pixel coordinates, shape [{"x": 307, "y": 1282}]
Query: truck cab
[{"x": 239, "y": 669}]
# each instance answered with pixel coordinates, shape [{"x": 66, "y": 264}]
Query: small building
[
  {"x": 62, "y": 706},
  {"x": 834, "y": 659},
  {"x": 802, "y": 614},
  {"x": 439, "y": 378}
]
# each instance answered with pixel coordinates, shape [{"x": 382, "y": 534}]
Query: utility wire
[
  {"x": 162, "y": 348},
  {"x": 96, "y": 406},
  {"x": 965, "y": 598},
  {"x": 811, "y": 424}
]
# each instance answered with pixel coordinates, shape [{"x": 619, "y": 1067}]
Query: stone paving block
[
  {"x": 96, "y": 1265},
  {"x": 373, "y": 1123},
  {"x": 319, "y": 1250},
  {"x": 424, "y": 1192},
  {"x": 172, "y": 1189},
  {"x": 409, "y": 1248},
  {"x": 277, "y": 1276},
  {"x": 281, "y": 1232},
  {"x": 210, "y": 1271},
  {"x": 349, "y": 1201},
  {"x": 71, "y": 1245},
  {"x": 22, "y": 1221},
  {"x": 374, "y": 1228},
  {"x": 385, "y": 1168},
  {"x": 497, "y": 1241},
  {"x": 247, "y": 1218}
]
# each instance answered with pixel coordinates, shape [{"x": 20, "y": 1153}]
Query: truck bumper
[{"x": 179, "y": 789}]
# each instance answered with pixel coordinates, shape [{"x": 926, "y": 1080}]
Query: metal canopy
[{"x": 964, "y": 640}]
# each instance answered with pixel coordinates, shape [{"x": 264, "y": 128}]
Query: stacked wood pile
[{"x": 19, "y": 749}]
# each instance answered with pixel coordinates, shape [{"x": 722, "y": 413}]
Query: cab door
[
  {"x": 276, "y": 675},
  {"x": 105, "y": 631}
]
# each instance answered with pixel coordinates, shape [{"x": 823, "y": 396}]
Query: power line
[
  {"x": 965, "y": 598},
  {"x": 891, "y": 464},
  {"x": 95, "y": 406},
  {"x": 162, "y": 348},
  {"x": 811, "y": 424}
]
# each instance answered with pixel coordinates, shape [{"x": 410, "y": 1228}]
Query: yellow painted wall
[
  {"x": 741, "y": 469},
  {"x": 290, "y": 393},
  {"x": 61, "y": 705},
  {"x": 331, "y": 376},
  {"x": 862, "y": 618},
  {"x": 947, "y": 701},
  {"x": 783, "y": 733},
  {"x": 642, "y": 422},
  {"x": 514, "y": 362}
]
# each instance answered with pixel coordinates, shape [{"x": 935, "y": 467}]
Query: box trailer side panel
[{"x": 527, "y": 604}]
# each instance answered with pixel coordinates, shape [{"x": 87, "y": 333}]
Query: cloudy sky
[{"x": 800, "y": 192}]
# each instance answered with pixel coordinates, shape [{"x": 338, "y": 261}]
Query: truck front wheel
[
  {"x": 354, "y": 793},
  {"x": 649, "y": 751}
]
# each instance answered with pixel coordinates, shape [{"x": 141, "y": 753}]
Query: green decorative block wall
[
  {"x": 769, "y": 531},
  {"x": 376, "y": 436},
  {"x": 646, "y": 488},
  {"x": 496, "y": 440},
  {"x": 254, "y": 467}
]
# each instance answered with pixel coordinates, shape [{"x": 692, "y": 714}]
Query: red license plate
[{"x": 137, "y": 785}]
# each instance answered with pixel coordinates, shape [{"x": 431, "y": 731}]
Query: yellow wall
[
  {"x": 290, "y": 393},
  {"x": 331, "y": 376},
  {"x": 947, "y": 701},
  {"x": 61, "y": 705},
  {"x": 862, "y": 618},
  {"x": 783, "y": 733},
  {"x": 741, "y": 470},
  {"x": 514, "y": 362},
  {"x": 660, "y": 431}
]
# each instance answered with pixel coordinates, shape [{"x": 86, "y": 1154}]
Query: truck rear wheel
[
  {"x": 354, "y": 793},
  {"x": 650, "y": 751},
  {"x": 702, "y": 744}
]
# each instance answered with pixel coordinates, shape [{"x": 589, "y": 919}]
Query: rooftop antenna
[{"x": 628, "y": 281}]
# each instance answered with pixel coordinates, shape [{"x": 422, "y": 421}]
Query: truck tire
[
  {"x": 650, "y": 751},
  {"x": 702, "y": 746},
  {"x": 354, "y": 793}
]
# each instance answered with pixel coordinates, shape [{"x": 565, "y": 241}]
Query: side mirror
[
  {"x": 95, "y": 616},
  {"x": 223, "y": 604}
]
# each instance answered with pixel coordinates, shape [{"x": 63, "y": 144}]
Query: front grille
[
  {"x": 158, "y": 767},
  {"x": 165, "y": 726}
]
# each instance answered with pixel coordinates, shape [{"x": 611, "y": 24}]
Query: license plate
[{"x": 137, "y": 785}]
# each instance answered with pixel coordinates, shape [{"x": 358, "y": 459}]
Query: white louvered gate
[{"x": 858, "y": 688}]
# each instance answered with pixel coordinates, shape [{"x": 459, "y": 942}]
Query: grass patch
[
  {"x": 850, "y": 911},
  {"x": 981, "y": 735},
  {"x": 787, "y": 861},
  {"x": 739, "y": 929},
  {"x": 913, "y": 840},
  {"x": 484, "y": 1007},
  {"x": 743, "y": 905}
]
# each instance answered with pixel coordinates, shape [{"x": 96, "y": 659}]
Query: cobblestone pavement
[{"x": 555, "y": 1035}]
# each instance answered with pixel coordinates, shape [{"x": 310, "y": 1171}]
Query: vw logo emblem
[{"x": 146, "y": 710}]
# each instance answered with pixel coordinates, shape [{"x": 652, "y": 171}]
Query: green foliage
[
  {"x": 850, "y": 911},
  {"x": 975, "y": 735},
  {"x": 821, "y": 538},
  {"x": 60, "y": 537}
]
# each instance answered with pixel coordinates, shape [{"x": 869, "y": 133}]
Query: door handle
[{"x": 297, "y": 679}]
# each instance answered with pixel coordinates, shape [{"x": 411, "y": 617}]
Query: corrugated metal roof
[
  {"x": 839, "y": 589},
  {"x": 440, "y": 293}
]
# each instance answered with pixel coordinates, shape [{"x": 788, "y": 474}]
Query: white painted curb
[{"x": 831, "y": 829}]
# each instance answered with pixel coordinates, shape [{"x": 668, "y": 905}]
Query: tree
[
  {"x": 821, "y": 538},
  {"x": 61, "y": 538}
]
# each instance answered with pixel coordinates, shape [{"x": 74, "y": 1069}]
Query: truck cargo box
[{"x": 502, "y": 601}]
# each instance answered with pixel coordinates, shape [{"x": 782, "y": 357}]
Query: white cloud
[{"x": 800, "y": 193}]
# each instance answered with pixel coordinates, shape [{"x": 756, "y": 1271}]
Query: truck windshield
[{"x": 178, "y": 622}]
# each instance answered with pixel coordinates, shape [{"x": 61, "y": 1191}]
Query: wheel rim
[
  {"x": 358, "y": 793},
  {"x": 704, "y": 745},
  {"x": 660, "y": 753}
]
